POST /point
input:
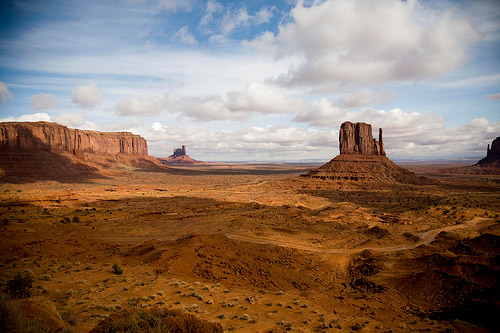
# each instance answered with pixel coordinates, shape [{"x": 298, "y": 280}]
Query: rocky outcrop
[
  {"x": 362, "y": 159},
  {"x": 356, "y": 138},
  {"x": 49, "y": 150},
  {"x": 179, "y": 152},
  {"x": 179, "y": 157},
  {"x": 490, "y": 165},
  {"x": 492, "y": 154},
  {"x": 52, "y": 137}
]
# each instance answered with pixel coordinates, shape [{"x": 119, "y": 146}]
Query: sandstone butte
[
  {"x": 492, "y": 154},
  {"x": 28, "y": 148},
  {"x": 180, "y": 157},
  {"x": 362, "y": 159}
]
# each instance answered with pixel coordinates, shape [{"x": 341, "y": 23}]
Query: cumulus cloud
[
  {"x": 493, "y": 96},
  {"x": 87, "y": 96},
  {"x": 184, "y": 36},
  {"x": 204, "y": 108},
  {"x": 39, "y": 116},
  {"x": 43, "y": 101},
  {"x": 256, "y": 97},
  {"x": 139, "y": 105},
  {"x": 251, "y": 143},
  {"x": 5, "y": 94},
  {"x": 363, "y": 42},
  {"x": 410, "y": 136},
  {"x": 70, "y": 119},
  {"x": 235, "y": 105}
]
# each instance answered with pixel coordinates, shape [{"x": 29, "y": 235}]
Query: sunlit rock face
[{"x": 356, "y": 138}]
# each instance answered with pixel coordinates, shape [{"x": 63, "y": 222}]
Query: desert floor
[{"x": 258, "y": 248}]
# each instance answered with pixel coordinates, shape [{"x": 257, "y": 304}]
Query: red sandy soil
[{"x": 258, "y": 248}]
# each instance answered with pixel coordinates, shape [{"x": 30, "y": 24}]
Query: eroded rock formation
[
  {"x": 356, "y": 138},
  {"x": 50, "y": 150},
  {"x": 493, "y": 153},
  {"x": 179, "y": 157},
  {"x": 362, "y": 159},
  {"x": 179, "y": 152},
  {"x": 52, "y": 137}
]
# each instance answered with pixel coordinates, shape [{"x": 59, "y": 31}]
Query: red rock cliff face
[
  {"x": 356, "y": 138},
  {"x": 33, "y": 136}
]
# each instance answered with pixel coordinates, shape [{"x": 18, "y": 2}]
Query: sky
[{"x": 258, "y": 80}]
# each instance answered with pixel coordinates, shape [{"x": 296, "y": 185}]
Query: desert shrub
[
  {"x": 46, "y": 277},
  {"x": 20, "y": 286},
  {"x": 117, "y": 269},
  {"x": 155, "y": 320},
  {"x": 70, "y": 318}
]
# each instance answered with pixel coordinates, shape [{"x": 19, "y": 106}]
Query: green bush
[
  {"x": 117, "y": 269},
  {"x": 20, "y": 286},
  {"x": 155, "y": 321}
]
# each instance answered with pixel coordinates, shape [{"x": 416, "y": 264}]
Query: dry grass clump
[{"x": 155, "y": 320}]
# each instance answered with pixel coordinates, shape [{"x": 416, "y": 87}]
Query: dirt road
[{"x": 425, "y": 238}]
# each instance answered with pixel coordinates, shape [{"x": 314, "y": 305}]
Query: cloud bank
[{"x": 367, "y": 42}]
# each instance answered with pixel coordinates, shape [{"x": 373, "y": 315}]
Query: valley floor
[{"x": 259, "y": 248}]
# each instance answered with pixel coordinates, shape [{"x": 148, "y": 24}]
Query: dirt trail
[{"x": 425, "y": 238}]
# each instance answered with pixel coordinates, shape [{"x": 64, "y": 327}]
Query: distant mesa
[
  {"x": 492, "y": 155},
  {"x": 179, "y": 157},
  {"x": 362, "y": 159},
  {"x": 490, "y": 165},
  {"x": 51, "y": 150}
]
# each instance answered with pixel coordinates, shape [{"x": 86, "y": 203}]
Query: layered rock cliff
[
  {"x": 52, "y": 137},
  {"x": 356, "y": 138},
  {"x": 50, "y": 150}
]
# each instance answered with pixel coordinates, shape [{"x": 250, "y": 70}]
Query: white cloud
[
  {"x": 364, "y": 97},
  {"x": 259, "y": 98},
  {"x": 43, "y": 101},
  {"x": 363, "y": 42},
  {"x": 74, "y": 120},
  {"x": 185, "y": 36},
  {"x": 204, "y": 108},
  {"x": 139, "y": 105},
  {"x": 5, "y": 94},
  {"x": 264, "y": 15},
  {"x": 251, "y": 143},
  {"x": 237, "y": 105},
  {"x": 39, "y": 116},
  {"x": 70, "y": 119},
  {"x": 211, "y": 8},
  {"x": 87, "y": 96},
  {"x": 493, "y": 96},
  {"x": 233, "y": 20},
  {"x": 176, "y": 5}
]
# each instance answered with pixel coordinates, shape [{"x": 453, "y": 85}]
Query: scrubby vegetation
[
  {"x": 156, "y": 320},
  {"x": 117, "y": 269},
  {"x": 20, "y": 286}
]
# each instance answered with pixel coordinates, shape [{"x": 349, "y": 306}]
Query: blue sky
[{"x": 258, "y": 80}]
